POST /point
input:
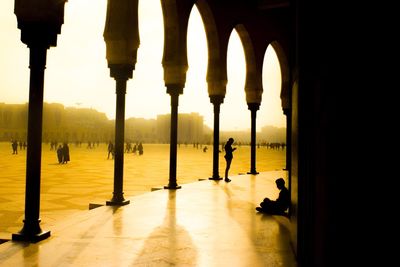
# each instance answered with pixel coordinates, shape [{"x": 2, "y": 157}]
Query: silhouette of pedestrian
[
  {"x": 14, "y": 145},
  {"x": 110, "y": 150},
  {"x": 134, "y": 150},
  {"x": 65, "y": 150},
  {"x": 228, "y": 157},
  {"x": 60, "y": 154},
  {"x": 140, "y": 148},
  {"x": 278, "y": 206}
]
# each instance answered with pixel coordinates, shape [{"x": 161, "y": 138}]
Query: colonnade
[{"x": 122, "y": 42}]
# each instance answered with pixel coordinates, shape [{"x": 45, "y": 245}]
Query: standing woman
[
  {"x": 228, "y": 157},
  {"x": 65, "y": 151}
]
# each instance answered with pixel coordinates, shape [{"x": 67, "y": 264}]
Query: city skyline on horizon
[
  {"x": 77, "y": 71},
  {"x": 152, "y": 118}
]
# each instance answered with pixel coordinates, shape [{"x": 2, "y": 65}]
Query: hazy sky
[{"x": 77, "y": 74}]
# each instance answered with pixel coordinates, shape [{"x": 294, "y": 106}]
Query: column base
[
  {"x": 215, "y": 178},
  {"x": 172, "y": 187},
  {"x": 253, "y": 172},
  {"x": 34, "y": 238},
  {"x": 117, "y": 203}
]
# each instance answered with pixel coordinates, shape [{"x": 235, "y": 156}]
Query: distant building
[
  {"x": 59, "y": 123},
  {"x": 13, "y": 121},
  {"x": 268, "y": 134},
  {"x": 190, "y": 128},
  {"x": 88, "y": 125},
  {"x": 140, "y": 130},
  {"x": 272, "y": 134}
]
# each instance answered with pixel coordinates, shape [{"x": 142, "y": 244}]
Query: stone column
[
  {"x": 174, "y": 91},
  {"x": 121, "y": 73},
  {"x": 121, "y": 35},
  {"x": 31, "y": 230},
  {"x": 39, "y": 31},
  {"x": 216, "y": 100},
  {"x": 253, "y": 107}
]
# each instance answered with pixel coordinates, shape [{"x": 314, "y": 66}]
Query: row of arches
[{"x": 121, "y": 36}]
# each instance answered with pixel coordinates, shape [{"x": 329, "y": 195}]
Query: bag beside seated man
[{"x": 278, "y": 206}]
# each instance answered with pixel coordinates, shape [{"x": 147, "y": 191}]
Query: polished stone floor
[{"x": 205, "y": 223}]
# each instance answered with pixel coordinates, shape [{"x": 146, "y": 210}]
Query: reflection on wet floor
[{"x": 206, "y": 223}]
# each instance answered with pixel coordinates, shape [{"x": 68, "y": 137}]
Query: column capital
[
  {"x": 121, "y": 71},
  {"x": 217, "y": 99},
  {"x": 41, "y": 26},
  {"x": 175, "y": 88},
  {"x": 253, "y": 106},
  {"x": 122, "y": 41}
]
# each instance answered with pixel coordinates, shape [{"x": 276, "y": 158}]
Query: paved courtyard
[{"x": 88, "y": 177}]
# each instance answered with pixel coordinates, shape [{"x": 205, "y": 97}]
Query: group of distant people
[
  {"x": 135, "y": 149},
  {"x": 63, "y": 154},
  {"x": 15, "y": 144}
]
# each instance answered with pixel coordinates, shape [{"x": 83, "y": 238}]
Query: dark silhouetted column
[
  {"x": 31, "y": 230},
  {"x": 121, "y": 73},
  {"x": 253, "y": 107},
  {"x": 38, "y": 32},
  {"x": 121, "y": 35},
  {"x": 173, "y": 91},
  {"x": 216, "y": 100}
]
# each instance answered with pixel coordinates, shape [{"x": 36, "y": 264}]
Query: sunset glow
[{"x": 77, "y": 74}]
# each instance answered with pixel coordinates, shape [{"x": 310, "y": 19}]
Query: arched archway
[
  {"x": 195, "y": 96},
  {"x": 271, "y": 106},
  {"x": 253, "y": 86},
  {"x": 278, "y": 58},
  {"x": 234, "y": 111},
  {"x": 285, "y": 74}
]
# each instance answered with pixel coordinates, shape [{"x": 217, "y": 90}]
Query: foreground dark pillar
[
  {"x": 173, "y": 91},
  {"x": 216, "y": 100},
  {"x": 38, "y": 32},
  {"x": 31, "y": 230},
  {"x": 253, "y": 107},
  {"x": 121, "y": 73}
]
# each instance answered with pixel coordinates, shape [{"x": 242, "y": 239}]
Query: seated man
[{"x": 281, "y": 204}]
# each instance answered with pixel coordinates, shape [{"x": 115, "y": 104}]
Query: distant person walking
[
  {"x": 228, "y": 157},
  {"x": 110, "y": 150},
  {"x": 134, "y": 149},
  {"x": 65, "y": 150},
  {"x": 60, "y": 154},
  {"x": 14, "y": 145},
  {"x": 140, "y": 148}
]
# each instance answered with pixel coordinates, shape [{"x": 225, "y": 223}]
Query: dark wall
[{"x": 334, "y": 167}]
